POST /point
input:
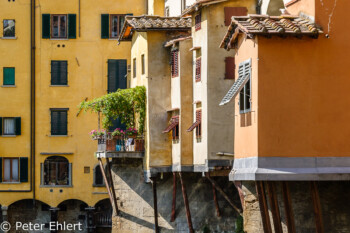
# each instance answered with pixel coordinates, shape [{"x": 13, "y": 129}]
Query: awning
[
  {"x": 173, "y": 123},
  {"x": 197, "y": 122}
]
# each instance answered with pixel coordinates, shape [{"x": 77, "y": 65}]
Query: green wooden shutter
[
  {"x": 9, "y": 76},
  {"x": 0, "y": 125},
  {"x": 105, "y": 26},
  {"x": 23, "y": 166},
  {"x": 72, "y": 26},
  {"x": 18, "y": 125},
  {"x": 0, "y": 169},
  {"x": 63, "y": 123},
  {"x": 46, "y": 19},
  {"x": 122, "y": 71},
  {"x": 112, "y": 76}
]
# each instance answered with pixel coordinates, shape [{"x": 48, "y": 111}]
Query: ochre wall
[{"x": 303, "y": 86}]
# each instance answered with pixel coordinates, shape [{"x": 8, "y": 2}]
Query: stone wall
[
  {"x": 333, "y": 198},
  {"x": 136, "y": 201}
]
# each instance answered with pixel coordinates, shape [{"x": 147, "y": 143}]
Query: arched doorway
[
  {"x": 103, "y": 216},
  {"x": 73, "y": 211}
]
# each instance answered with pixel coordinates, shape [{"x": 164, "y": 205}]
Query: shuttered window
[
  {"x": 229, "y": 68},
  {"x": 143, "y": 63},
  {"x": 59, "y": 121},
  {"x": 59, "y": 26},
  {"x": 198, "y": 69},
  {"x": 117, "y": 71},
  {"x": 175, "y": 63},
  {"x": 59, "y": 73},
  {"x": 8, "y": 76},
  {"x": 245, "y": 93},
  {"x": 198, "y": 21},
  {"x": 111, "y": 25},
  {"x": 134, "y": 68},
  {"x": 10, "y": 125},
  {"x": 199, "y": 126}
]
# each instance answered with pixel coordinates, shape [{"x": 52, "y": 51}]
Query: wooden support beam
[
  {"x": 288, "y": 208},
  {"x": 105, "y": 180},
  {"x": 155, "y": 204},
  {"x": 173, "y": 210},
  {"x": 222, "y": 192},
  {"x": 188, "y": 212},
  {"x": 274, "y": 207},
  {"x": 317, "y": 207},
  {"x": 263, "y": 207},
  {"x": 112, "y": 187},
  {"x": 216, "y": 201}
]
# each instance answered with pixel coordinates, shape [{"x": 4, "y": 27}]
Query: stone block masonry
[{"x": 135, "y": 201}]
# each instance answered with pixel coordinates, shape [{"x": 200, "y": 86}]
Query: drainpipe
[{"x": 32, "y": 105}]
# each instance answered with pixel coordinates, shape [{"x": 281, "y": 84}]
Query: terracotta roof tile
[
  {"x": 148, "y": 23},
  {"x": 267, "y": 26}
]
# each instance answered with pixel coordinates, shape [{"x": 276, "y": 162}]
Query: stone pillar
[
  {"x": 90, "y": 212},
  {"x": 54, "y": 216},
  {"x": 4, "y": 210}
]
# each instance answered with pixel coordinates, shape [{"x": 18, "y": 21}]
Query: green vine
[{"x": 129, "y": 105}]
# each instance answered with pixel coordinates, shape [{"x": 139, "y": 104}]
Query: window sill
[
  {"x": 98, "y": 185},
  {"x": 9, "y": 38},
  {"x": 59, "y": 85},
  {"x": 8, "y": 86},
  {"x": 9, "y": 182},
  {"x": 8, "y": 136},
  {"x": 112, "y": 38},
  {"x": 58, "y": 136},
  {"x": 58, "y": 39},
  {"x": 56, "y": 186}
]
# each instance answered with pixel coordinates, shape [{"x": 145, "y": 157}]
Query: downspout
[{"x": 32, "y": 105}]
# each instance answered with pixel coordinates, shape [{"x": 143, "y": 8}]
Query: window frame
[
  {"x": 3, "y": 126},
  {"x": 52, "y": 27},
  {"x": 3, "y": 170},
  {"x": 69, "y": 174},
  {"x": 111, "y": 17},
  {"x": 60, "y": 62},
  {"x": 3, "y": 29},
  {"x": 246, "y": 98},
  {"x": 59, "y": 110},
  {"x": 94, "y": 184},
  {"x": 14, "y": 76}
]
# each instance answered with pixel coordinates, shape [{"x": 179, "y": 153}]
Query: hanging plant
[{"x": 129, "y": 105}]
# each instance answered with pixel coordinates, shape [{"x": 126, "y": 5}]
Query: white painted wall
[{"x": 175, "y": 6}]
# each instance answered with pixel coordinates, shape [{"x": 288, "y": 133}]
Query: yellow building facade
[{"x": 75, "y": 52}]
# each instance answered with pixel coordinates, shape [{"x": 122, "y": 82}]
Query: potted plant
[
  {"x": 118, "y": 133},
  {"x": 131, "y": 132},
  {"x": 97, "y": 134}
]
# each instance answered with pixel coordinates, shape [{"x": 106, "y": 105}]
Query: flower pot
[
  {"x": 118, "y": 137},
  {"x": 132, "y": 136}
]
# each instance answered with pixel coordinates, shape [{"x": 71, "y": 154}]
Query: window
[
  {"x": 230, "y": 68},
  {"x": 59, "y": 73},
  {"x": 10, "y": 125},
  {"x": 112, "y": 25},
  {"x": 198, "y": 21},
  {"x": 56, "y": 170},
  {"x": 59, "y": 121},
  {"x": 98, "y": 178},
  {"x": 198, "y": 69},
  {"x": 175, "y": 132},
  {"x": 8, "y": 76},
  {"x": 143, "y": 63},
  {"x": 117, "y": 72},
  {"x": 59, "y": 26},
  {"x": 134, "y": 67},
  {"x": 175, "y": 63},
  {"x": 11, "y": 170},
  {"x": 9, "y": 28},
  {"x": 174, "y": 127},
  {"x": 199, "y": 125},
  {"x": 245, "y": 93},
  {"x": 167, "y": 12}
]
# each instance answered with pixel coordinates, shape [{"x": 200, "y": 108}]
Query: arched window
[
  {"x": 56, "y": 170},
  {"x": 98, "y": 178}
]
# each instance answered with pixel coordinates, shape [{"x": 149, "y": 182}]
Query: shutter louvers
[
  {"x": 0, "y": 169},
  {"x": 72, "y": 26},
  {"x": 112, "y": 76},
  {"x": 122, "y": 70},
  {"x": 198, "y": 69},
  {"x": 63, "y": 73},
  {"x": 105, "y": 26},
  {"x": 55, "y": 72},
  {"x": 63, "y": 123},
  {"x": 54, "y": 120},
  {"x": 46, "y": 18},
  {"x": 230, "y": 68},
  {"x": 23, "y": 169},
  {"x": 18, "y": 125},
  {"x": 1, "y": 125}
]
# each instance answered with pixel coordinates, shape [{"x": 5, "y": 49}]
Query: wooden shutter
[
  {"x": 72, "y": 26},
  {"x": 0, "y": 169},
  {"x": 46, "y": 21},
  {"x": 230, "y": 68},
  {"x": 23, "y": 168},
  {"x": 198, "y": 69},
  {"x": 9, "y": 76},
  {"x": 63, "y": 73},
  {"x": 105, "y": 26},
  {"x": 122, "y": 71},
  {"x": 63, "y": 123},
  {"x": 112, "y": 76},
  {"x": 18, "y": 126},
  {"x": 59, "y": 73},
  {"x": 175, "y": 63},
  {"x": 1, "y": 125},
  {"x": 234, "y": 11},
  {"x": 198, "y": 21},
  {"x": 59, "y": 122}
]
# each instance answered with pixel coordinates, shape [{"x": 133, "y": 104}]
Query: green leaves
[{"x": 127, "y": 104}]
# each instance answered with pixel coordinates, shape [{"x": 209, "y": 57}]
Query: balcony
[{"x": 120, "y": 147}]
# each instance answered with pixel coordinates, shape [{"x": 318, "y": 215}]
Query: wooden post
[
  {"x": 274, "y": 207},
  {"x": 112, "y": 187},
  {"x": 221, "y": 191},
  {"x": 317, "y": 207},
  {"x": 288, "y": 208},
  {"x": 188, "y": 212},
  {"x": 155, "y": 205},
  {"x": 216, "y": 201},
  {"x": 263, "y": 207},
  {"x": 106, "y": 181},
  {"x": 173, "y": 210}
]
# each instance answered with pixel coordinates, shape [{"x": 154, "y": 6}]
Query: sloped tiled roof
[
  {"x": 178, "y": 39},
  {"x": 285, "y": 25},
  {"x": 199, "y": 4},
  {"x": 155, "y": 23}
]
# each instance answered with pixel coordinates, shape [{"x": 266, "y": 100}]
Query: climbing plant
[{"x": 129, "y": 105}]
